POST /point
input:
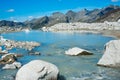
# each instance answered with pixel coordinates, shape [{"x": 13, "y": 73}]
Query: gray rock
[
  {"x": 37, "y": 70},
  {"x": 77, "y": 51},
  {"x": 35, "y": 53},
  {"x": 4, "y": 52},
  {"x": 17, "y": 64},
  {"x": 9, "y": 58},
  {"x": 111, "y": 56},
  {"x": 14, "y": 65},
  {"x": 10, "y": 44}
]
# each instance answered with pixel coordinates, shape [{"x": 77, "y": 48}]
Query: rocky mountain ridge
[{"x": 110, "y": 13}]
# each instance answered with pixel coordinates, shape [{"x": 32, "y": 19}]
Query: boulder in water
[
  {"x": 37, "y": 70},
  {"x": 77, "y": 51},
  {"x": 14, "y": 65},
  {"x": 34, "y": 53},
  {"x": 111, "y": 56},
  {"x": 9, "y": 58}
]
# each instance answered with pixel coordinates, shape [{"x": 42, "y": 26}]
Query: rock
[
  {"x": 10, "y": 44},
  {"x": 0, "y": 48},
  {"x": 35, "y": 53},
  {"x": 26, "y": 30},
  {"x": 17, "y": 64},
  {"x": 77, "y": 51},
  {"x": 14, "y": 65},
  {"x": 9, "y": 58},
  {"x": 111, "y": 56},
  {"x": 4, "y": 52},
  {"x": 37, "y": 70},
  {"x": 118, "y": 20},
  {"x": 9, "y": 66},
  {"x": 18, "y": 55},
  {"x": 44, "y": 29}
]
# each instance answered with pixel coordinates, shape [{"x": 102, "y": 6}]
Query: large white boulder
[
  {"x": 77, "y": 51},
  {"x": 111, "y": 56},
  {"x": 118, "y": 20},
  {"x": 37, "y": 70}
]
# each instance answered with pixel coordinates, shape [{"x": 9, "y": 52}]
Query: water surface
[{"x": 53, "y": 47}]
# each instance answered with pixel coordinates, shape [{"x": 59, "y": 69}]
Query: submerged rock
[
  {"x": 4, "y": 52},
  {"x": 77, "y": 51},
  {"x": 10, "y": 44},
  {"x": 9, "y": 58},
  {"x": 14, "y": 65},
  {"x": 111, "y": 56},
  {"x": 37, "y": 70},
  {"x": 34, "y": 53}
]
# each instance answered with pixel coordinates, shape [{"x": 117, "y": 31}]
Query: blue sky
[{"x": 21, "y": 10}]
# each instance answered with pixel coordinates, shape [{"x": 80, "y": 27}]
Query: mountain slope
[
  {"x": 111, "y": 16},
  {"x": 11, "y": 23},
  {"x": 109, "y": 13}
]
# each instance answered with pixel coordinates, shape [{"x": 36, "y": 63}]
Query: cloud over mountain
[
  {"x": 115, "y": 0},
  {"x": 10, "y": 10}
]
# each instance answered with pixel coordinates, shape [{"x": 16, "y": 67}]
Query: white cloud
[
  {"x": 115, "y": 0},
  {"x": 10, "y": 10},
  {"x": 30, "y": 17}
]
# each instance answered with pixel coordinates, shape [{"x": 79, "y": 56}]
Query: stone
[
  {"x": 37, "y": 70},
  {"x": 9, "y": 58},
  {"x": 10, "y": 44},
  {"x": 17, "y": 64},
  {"x": 111, "y": 56},
  {"x": 118, "y": 20},
  {"x": 9, "y": 66},
  {"x": 77, "y": 51},
  {"x": 4, "y": 52},
  {"x": 14, "y": 65},
  {"x": 0, "y": 48},
  {"x": 35, "y": 53}
]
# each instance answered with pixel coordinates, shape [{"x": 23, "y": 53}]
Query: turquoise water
[{"x": 52, "y": 49}]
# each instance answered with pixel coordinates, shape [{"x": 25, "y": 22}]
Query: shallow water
[{"x": 53, "y": 46}]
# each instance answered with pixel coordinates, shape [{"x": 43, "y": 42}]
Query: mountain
[
  {"x": 113, "y": 15},
  {"x": 38, "y": 23},
  {"x": 109, "y": 13},
  {"x": 11, "y": 23}
]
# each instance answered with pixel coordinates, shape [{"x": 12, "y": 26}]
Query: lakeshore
[{"x": 106, "y": 28}]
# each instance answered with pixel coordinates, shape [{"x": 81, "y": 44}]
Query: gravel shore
[{"x": 106, "y": 28}]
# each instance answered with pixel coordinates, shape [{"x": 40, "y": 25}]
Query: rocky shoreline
[
  {"x": 106, "y": 28},
  {"x": 7, "y": 29},
  {"x": 10, "y": 44}
]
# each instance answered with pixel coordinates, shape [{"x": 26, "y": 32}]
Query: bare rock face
[
  {"x": 77, "y": 51},
  {"x": 111, "y": 56},
  {"x": 37, "y": 70}
]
